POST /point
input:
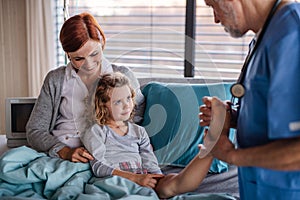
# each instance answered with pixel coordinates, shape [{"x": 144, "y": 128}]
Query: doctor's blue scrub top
[{"x": 270, "y": 108}]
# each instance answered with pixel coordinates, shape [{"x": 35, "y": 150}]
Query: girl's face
[
  {"x": 88, "y": 58},
  {"x": 121, "y": 103}
]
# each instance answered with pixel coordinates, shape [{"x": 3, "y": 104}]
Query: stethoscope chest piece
[{"x": 237, "y": 90}]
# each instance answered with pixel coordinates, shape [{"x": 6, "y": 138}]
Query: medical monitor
[{"x": 17, "y": 113}]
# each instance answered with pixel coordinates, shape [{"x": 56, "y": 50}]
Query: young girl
[
  {"x": 119, "y": 147},
  {"x": 122, "y": 148}
]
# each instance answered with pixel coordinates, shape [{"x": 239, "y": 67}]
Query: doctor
[{"x": 267, "y": 117}]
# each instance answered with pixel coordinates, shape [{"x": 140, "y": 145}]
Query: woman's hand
[{"x": 79, "y": 154}]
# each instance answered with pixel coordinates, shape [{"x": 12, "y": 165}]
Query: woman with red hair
[{"x": 64, "y": 107}]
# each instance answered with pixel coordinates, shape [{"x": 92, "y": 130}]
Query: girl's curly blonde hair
[{"x": 106, "y": 83}]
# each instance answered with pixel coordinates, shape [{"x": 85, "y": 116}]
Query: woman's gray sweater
[{"x": 45, "y": 112}]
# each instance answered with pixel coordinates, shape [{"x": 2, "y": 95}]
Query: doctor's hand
[
  {"x": 205, "y": 115},
  {"x": 220, "y": 125},
  {"x": 205, "y": 111},
  {"x": 224, "y": 149},
  {"x": 79, "y": 154}
]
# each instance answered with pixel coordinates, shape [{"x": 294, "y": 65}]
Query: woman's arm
[
  {"x": 93, "y": 140},
  {"x": 44, "y": 114}
]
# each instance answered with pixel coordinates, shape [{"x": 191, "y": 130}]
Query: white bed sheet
[{"x": 3, "y": 144}]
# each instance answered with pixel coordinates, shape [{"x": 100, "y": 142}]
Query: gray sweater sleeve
[{"x": 45, "y": 111}]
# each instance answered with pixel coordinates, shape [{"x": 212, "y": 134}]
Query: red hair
[{"x": 77, "y": 30}]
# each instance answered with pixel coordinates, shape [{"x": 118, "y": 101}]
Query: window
[
  {"x": 218, "y": 55},
  {"x": 149, "y": 37}
]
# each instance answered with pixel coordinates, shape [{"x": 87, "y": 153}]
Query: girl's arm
[
  {"x": 146, "y": 180},
  {"x": 149, "y": 160},
  {"x": 187, "y": 180}
]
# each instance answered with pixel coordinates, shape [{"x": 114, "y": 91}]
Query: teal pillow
[{"x": 171, "y": 120}]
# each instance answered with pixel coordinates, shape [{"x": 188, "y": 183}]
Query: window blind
[{"x": 149, "y": 37}]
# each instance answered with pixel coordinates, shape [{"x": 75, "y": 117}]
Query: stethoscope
[{"x": 238, "y": 89}]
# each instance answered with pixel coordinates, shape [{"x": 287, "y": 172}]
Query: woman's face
[
  {"x": 120, "y": 105},
  {"x": 88, "y": 58}
]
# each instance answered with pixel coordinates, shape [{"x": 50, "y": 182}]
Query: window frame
[{"x": 191, "y": 57}]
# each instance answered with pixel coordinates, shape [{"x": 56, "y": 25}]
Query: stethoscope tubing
[{"x": 237, "y": 89}]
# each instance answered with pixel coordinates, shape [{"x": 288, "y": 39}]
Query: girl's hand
[
  {"x": 147, "y": 180},
  {"x": 79, "y": 154}
]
